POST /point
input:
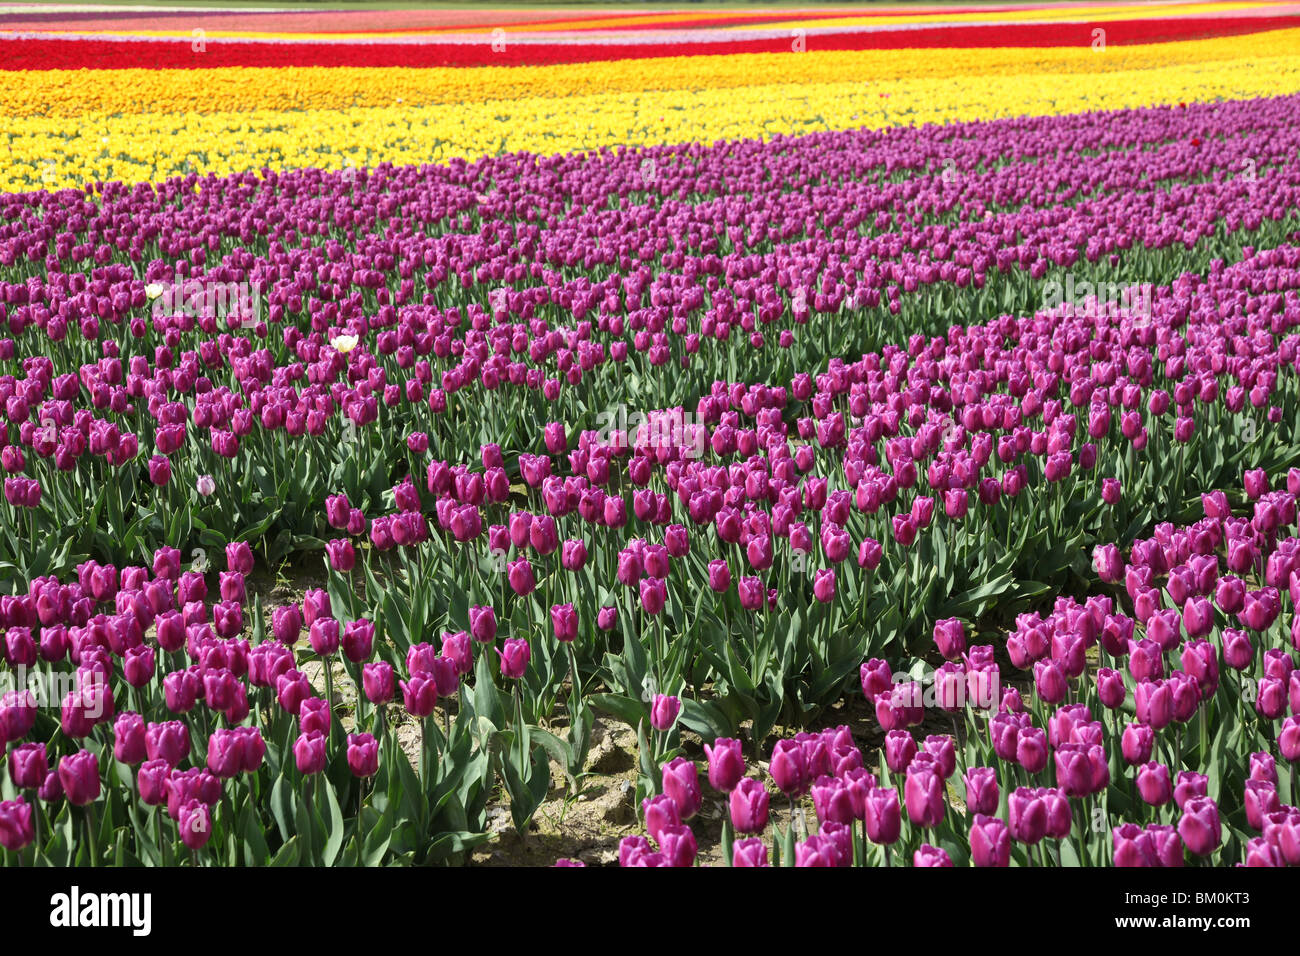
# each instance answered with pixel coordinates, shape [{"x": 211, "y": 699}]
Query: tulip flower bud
[
  {"x": 633, "y": 848},
  {"x": 420, "y": 694},
  {"x": 1260, "y": 798},
  {"x": 681, "y": 783},
  {"x": 309, "y": 752},
  {"x": 1131, "y": 846},
  {"x": 1189, "y": 786},
  {"x": 981, "y": 790},
  {"x": 1110, "y": 688},
  {"x": 1153, "y": 784},
  {"x": 514, "y": 656},
  {"x": 832, "y": 800},
  {"x": 990, "y": 841},
  {"x": 564, "y": 622},
  {"x": 28, "y": 766},
  {"x": 788, "y": 768},
  {"x": 1259, "y": 852},
  {"x": 817, "y": 850},
  {"x": 51, "y": 791},
  {"x": 239, "y": 557},
  {"x": 749, "y": 803},
  {"x": 749, "y": 852},
  {"x": 876, "y": 678},
  {"x": 664, "y": 711},
  {"x": 520, "y": 576},
  {"x": 927, "y": 855},
  {"x": 363, "y": 755},
  {"x": 883, "y": 815},
  {"x": 726, "y": 764},
  {"x": 1263, "y": 767},
  {"x": 315, "y": 604},
  {"x": 286, "y": 624},
  {"x": 900, "y": 749},
  {"x": 483, "y": 624},
  {"x": 194, "y": 821},
  {"x": 79, "y": 776},
  {"x": 1049, "y": 682},
  {"x": 678, "y": 845},
  {"x": 342, "y": 557},
  {"x": 719, "y": 575},
  {"x": 950, "y": 638},
  {"x": 1027, "y": 815},
  {"x": 129, "y": 738},
  {"x": 659, "y": 812},
  {"x": 151, "y": 781},
  {"x": 923, "y": 795},
  {"x": 824, "y": 585},
  {"x": 654, "y": 595},
  {"x": 1111, "y": 492},
  {"x": 16, "y": 827},
  {"x": 1200, "y": 827}
]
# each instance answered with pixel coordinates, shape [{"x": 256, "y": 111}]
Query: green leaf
[
  {"x": 254, "y": 841},
  {"x": 627, "y": 709},
  {"x": 283, "y": 806},
  {"x": 287, "y": 854},
  {"x": 335, "y": 830},
  {"x": 708, "y": 719}
]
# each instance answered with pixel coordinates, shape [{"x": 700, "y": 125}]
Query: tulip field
[{"x": 821, "y": 436}]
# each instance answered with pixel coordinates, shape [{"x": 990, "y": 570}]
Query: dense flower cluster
[
  {"x": 221, "y": 121},
  {"x": 694, "y": 437},
  {"x": 1160, "y": 743}
]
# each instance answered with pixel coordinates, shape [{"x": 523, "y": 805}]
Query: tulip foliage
[{"x": 678, "y": 437}]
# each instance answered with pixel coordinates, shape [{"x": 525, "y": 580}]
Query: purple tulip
[
  {"x": 664, "y": 711},
  {"x": 1154, "y": 785},
  {"x": 981, "y": 790},
  {"x": 749, "y": 852},
  {"x": 79, "y": 776},
  {"x": 990, "y": 841},
  {"x": 309, "y": 752},
  {"x": 788, "y": 768},
  {"x": 129, "y": 738},
  {"x": 28, "y": 766},
  {"x": 681, "y": 781},
  {"x": 659, "y": 812},
  {"x": 16, "y": 827},
  {"x": 1199, "y": 826},
  {"x": 363, "y": 755},
  {"x": 1132, "y": 846},
  {"x": 749, "y": 802},
  {"x": 923, "y": 794},
  {"x": 950, "y": 638},
  {"x": 1027, "y": 815},
  {"x": 678, "y": 845},
  {"x": 726, "y": 764},
  {"x": 927, "y": 855},
  {"x": 1188, "y": 786},
  {"x": 882, "y": 815},
  {"x": 564, "y": 622},
  {"x": 514, "y": 654},
  {"x": 900, "y": 748}
]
